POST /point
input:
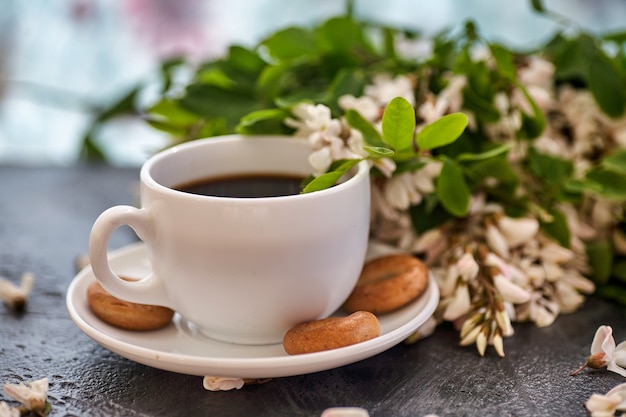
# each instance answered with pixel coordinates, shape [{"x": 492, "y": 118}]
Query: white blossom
[
  {"x": 497, "y": 242},
  {"x": 345, "y": 412},
  {"x": 384, "y": 89},
  {"x": 510, "y": 291},
  {"x": 538, "y": 72},
  {"x": 320, "y": 160},
  {"x": 459, "y": 305},
  {"x": 400, "y": 191},
  {"x": 569, "y": 299},
  {"x": 517, "y": 231},
  {"x": 467, "y": 266},
  {"x": 310, "y": 119},
  {"x": 365, "y": 106},
  {"x": 6, "y": 411},
  {"x": 606, "y": 405},
  {"x": 614, "y": 357},
  {"x": 543, "y": 313},
  {"x": 219, "y": 383},
  {"x": 33, "y": 397}
]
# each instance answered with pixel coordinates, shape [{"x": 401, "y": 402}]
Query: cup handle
[{"x": 150, "y": 289}]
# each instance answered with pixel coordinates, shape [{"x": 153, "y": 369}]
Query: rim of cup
[{"x": 362, "y": 169}]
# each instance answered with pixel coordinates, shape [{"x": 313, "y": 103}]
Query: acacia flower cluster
[{"x": 492, "y": 269}]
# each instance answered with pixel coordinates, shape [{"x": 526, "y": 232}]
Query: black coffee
[{"x": 245, "y": 186}]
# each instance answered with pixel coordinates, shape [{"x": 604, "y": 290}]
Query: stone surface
[{"x": 45, "y": 219}]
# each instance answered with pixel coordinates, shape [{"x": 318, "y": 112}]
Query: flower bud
[
  {"x": 459, "y": 305},
  {"x": 467, "y": 266},
  {"x": 517, "y": 231},
  {"x": 597, "y": 360},
  {"x": 481, "y": 341},
  {"x": 470, "y": 337},
  {"x": 498, "y": 344},
  {"x": 496, "y": 241},
  {"x": 509, "y": 291}
]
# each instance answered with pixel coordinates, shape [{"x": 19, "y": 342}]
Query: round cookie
[
  {"x": 331, "y": 333},
  {"x": 388, "y": 283},
  {"x": 124, "y": 314}
]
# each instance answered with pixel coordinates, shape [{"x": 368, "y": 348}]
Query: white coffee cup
[{"x": 243, "y": 270}]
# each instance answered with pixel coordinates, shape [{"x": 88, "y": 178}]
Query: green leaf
[
  {"x": 452, "y": 189},
  {"x": 264, "y": 122},
  {"x": 291, "y": 43},
  {"x": 616, "y": 161},
  {"x": 609, "y": 184},
  {"x": 428, "y": 215},
  {"x": 532, "y": 125},
  {"x": 369, "y": 132},
  {"x": 569, "y": 57},
  {"x": 399, "y": 124},
  {"x": 498, "y": 168},
  {"x": 504, "y": 60},
  {"x": 612, "y": 292},
  {"x": 600, "y": 254},
  {"x": 483, "y": 107},
  {"x": 212, "y": 101},
  {"x": 491, "y": 153},
  {"x": 245, "y": 60},
  {"x": 558, "y": 228},
  {"x": 330, "y": 178},
  {"x": 346, "y": 81},
  {"x": 342, "y": 34},
  {"x": 124, "y": 106},
  {"x": 379, "y": 151},
  {"x": 605, "y": 83},
  {"x": 551, "y": 169},
  {"x": 619, "y": 271},
  {"x": 442, "y": 131},
  {"x": 538, "y": 6},
  {"x": 170, "y": 111}
]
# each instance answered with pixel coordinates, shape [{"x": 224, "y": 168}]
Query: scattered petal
[
  {"x": 33, "y": 397},
  {"x": 345, "y": 412},
  {"x": 218, "y": 383},
  {"x": 6, "y": 411}
]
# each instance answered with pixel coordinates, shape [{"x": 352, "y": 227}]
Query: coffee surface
[{"x": 245, "y": 186}]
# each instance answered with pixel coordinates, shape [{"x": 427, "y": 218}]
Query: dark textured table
[{"x": 45, "y": 218}]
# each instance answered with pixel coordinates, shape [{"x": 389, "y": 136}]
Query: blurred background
[{"x": 59, "y": 59}]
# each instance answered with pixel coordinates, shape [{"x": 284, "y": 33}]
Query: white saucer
[{"x": 179, "y": 348}]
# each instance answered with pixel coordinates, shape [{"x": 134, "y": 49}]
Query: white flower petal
[
  {"x": 497, "y": 242},
  {"x": 459, "y": 305},
  {"x": 569, "y": 299},
  {"x": 218, "y": 383},
  {"x": 601, "y": 405},
  {"x": 510, "y": 291},
  {"x": 467, "y": 266},
  {"x": 603, "y": 341},
  {"x": 345, "y": 412},
  {"x": 519, "y": 230},
  {"x": 320, "y": 160},
  {"x": 551, "y": 252},
  {"x": 6, "y": 411},
  {"x": 33, "y": 397}
]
